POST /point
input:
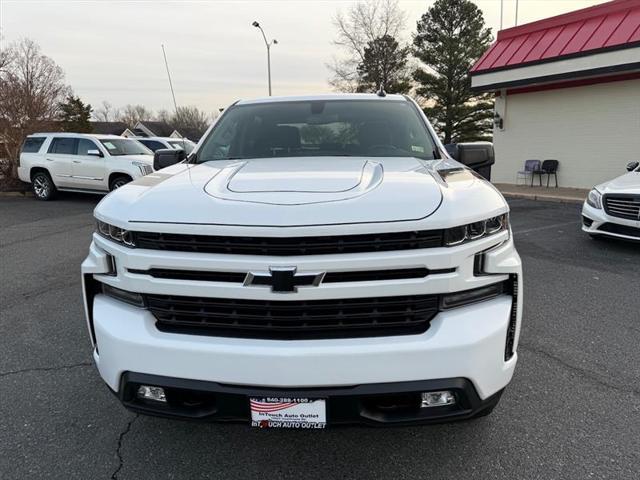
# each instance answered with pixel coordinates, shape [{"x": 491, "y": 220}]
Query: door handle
[
  {"x": 49, "y": 159},
  {"x": 77, "y": 161}
]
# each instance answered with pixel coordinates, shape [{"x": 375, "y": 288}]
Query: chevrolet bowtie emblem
[{"x": 284, "y": 279}]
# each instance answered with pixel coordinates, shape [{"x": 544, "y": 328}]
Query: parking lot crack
[
  {"x": 127, "y": 428},
  {"x": 45, "y": 369},
  {"x": 580, "y": 371}
]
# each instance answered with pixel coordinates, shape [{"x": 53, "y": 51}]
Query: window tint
[
  {"x": 32, "y": 144},
  {"x": 371, "y": 128},
  {"x": 65, "y": 146},
  {"x": 125, "y": 146},
  {"x": 153, "y": 145},
  {"x": 85, "y": 145}
]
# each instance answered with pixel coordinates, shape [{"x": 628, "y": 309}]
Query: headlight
[
  {"x": 476, "y": 230},
  {"x": 144, "y": 168},
  {"x": 594, "y": 199},
  {"x": 116, "y": 234}
]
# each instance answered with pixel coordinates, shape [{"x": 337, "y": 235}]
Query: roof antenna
[
  {"x": 381, "y": 92},
  {"x": 175, "y": 105}
]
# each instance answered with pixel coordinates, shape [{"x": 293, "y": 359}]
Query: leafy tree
[
  {"x": 75, "y": 116},
  {"x": 31, "y": 89},
  {"x": 384, "y": 63},
  {"x": 363, "y": 24},
  {"x": 450, "y": 37}
]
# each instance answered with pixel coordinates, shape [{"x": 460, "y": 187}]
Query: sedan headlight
[
  {"x": 144, "y": 168},
  {"x": 116, "y": 234},
  {"x": 594, "y": 199},
  {"x": 476, "y": 230}
]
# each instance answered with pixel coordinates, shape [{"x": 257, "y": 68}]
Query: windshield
[
  {"x": 124, "y": 146},
  {"x": 372, "y": 128},
  {"x": 186, "y": 145}
]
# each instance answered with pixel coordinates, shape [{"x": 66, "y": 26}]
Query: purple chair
[{"x": 530, "y": 167}]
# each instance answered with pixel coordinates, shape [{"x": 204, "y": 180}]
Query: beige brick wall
[{"x": 594, "y": 131}]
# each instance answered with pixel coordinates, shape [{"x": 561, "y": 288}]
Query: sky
[{"x": 111, "y": 49}]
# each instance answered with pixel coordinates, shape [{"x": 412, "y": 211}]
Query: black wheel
[
  {"x": 43, "y": 187},
  {"x": 118, "y": 182}
]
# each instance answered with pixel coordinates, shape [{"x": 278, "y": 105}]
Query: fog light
[
  {"x": 147, "y": 392},
  {"x": 437, "y": 399}
]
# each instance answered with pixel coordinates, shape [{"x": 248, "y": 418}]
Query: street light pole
[{"x": 268, "y": 45}]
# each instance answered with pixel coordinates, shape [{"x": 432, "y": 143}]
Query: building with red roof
[{"x": 567, "y": 88}]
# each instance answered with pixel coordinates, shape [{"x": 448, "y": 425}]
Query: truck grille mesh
[
  {"x": 354, "y": 317},
  {"x": 290, "y": 245}
]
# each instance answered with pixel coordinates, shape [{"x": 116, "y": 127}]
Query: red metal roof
[{"x": 610, "y": 25}]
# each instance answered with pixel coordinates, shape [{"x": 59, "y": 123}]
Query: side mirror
[
  {"x": 474, "y": 155},
  {"x": 167, "y": 156},
  {"x": 95, "y": 153},
  {"x": 631, "y": 166},
  {"x": 478, "y": 156}
]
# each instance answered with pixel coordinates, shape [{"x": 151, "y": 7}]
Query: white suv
[
  {"x": 612, "y": 208},
  {"x": 157, "y": 143},
  {"x": 81, "y": 162},
  {"x": 316, "y": 260}
]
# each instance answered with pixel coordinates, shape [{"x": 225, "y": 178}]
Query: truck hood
[
  {"x": 296, "y": 191},
  {"x": 627, "y": 183}
]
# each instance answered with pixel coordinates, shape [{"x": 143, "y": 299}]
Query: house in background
[
  {"x": 567, "y": 88},
  {"x": 109, "y": 128}
]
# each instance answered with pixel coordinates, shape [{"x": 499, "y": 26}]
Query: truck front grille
[
  {"x": 287, "y": 246},
  {"x": 623, "y": 206},
  {"x": 354, "y": 317}
]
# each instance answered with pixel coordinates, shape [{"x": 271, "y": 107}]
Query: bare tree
[
  {"x": 190, "y": 118},
  {"x": 31, "y": 89},
  {"x": 163, "y": 116},
  {"x": 132, "y": 114},
  {"x": 106, "y": 113},
  {"x": 362, "y": 25}
]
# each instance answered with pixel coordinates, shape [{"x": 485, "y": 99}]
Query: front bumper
[
  {"x": 466, "y": 342},
  {"x": 595, "y": 221},
  {"x": 371, "y": 404}
]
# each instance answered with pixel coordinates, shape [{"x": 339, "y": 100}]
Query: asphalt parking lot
[{"x": 572, "y": 410}]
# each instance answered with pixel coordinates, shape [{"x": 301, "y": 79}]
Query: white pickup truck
[
  {"x": 81, "y": 162},
  {"x": 316, "y": 260}
]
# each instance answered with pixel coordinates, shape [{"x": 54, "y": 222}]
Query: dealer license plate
[{"x": 278, "y": 412}]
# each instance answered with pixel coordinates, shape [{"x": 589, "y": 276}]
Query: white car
[
  {"x": 81, "y": 162},
  {"x": 613, "y": 208},
  {"x": 316, "y": 260},
  {"x": 157, "y": 143}
]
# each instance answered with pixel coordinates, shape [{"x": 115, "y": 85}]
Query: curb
[
  {"x": 16, "y": 194},
  {"x": 544, "y": 198}
]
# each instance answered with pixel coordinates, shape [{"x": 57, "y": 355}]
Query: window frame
[
  {"x": 42, "y": 139},
  {"x": 143, "y": 140},
  {"x": 193, "y": 157},
  {"x": 90, "y": 140},
  {"x": 54, "y": 139}
]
